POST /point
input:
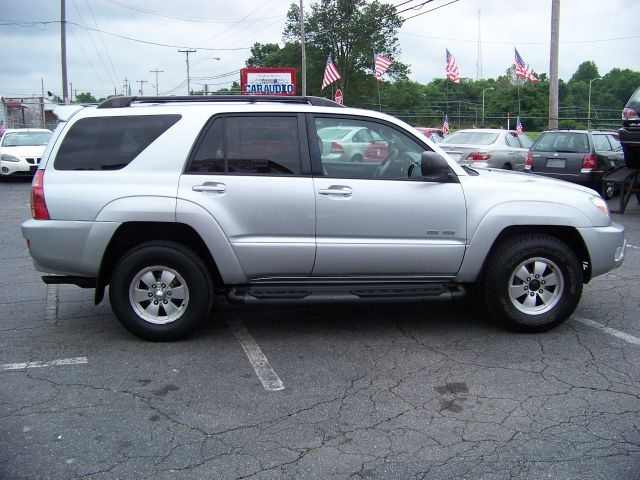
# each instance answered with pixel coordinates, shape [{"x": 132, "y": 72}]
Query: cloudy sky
[{"x": 222, "y": 32}]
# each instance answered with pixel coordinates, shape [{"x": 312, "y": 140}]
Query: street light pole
[
  {"x": 483, "y": 90},
  {"x": 188, "y": 51},
  {"x": 589, "y": 109}
]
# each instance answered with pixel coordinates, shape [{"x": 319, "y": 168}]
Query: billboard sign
[{"x": 268, "y": 81}]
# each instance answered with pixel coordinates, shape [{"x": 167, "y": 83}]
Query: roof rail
[{"x": 120, "y": 102}]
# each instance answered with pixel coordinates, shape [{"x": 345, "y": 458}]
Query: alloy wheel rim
[
  {"x": 536, "y": 286},
  {"x": 159, "y": 295}
]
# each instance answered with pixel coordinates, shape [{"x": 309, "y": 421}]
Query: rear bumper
[
  {"x": 606, "y": 247},
  {"x": 629, "y": 135},
  {"x": 592, "y": 179},
  {"x": 68, "y": 247}
]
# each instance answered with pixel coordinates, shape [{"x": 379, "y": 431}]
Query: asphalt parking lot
[{"x": 393, "y": 391}]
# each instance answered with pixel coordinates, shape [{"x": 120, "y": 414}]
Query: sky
[{"x": 222, "y": 32}]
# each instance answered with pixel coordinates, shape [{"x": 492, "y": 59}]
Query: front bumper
[
  {"x": 606, "y": 247},
  {"x": 17, "y": 168}
]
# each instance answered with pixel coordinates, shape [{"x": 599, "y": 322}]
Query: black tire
[
  {"x": 356, "y": 158},
  {"x": 506, "y": 277},
  {"x": 182, "y": 302},
  {"x": 608, "y": 190}
]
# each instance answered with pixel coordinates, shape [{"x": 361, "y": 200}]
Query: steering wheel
[{"x": 395, "y": 165}]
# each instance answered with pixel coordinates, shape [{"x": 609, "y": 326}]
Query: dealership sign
[{"x": 268, "y": 81}]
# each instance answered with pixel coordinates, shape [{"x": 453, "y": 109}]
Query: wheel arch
[
  {"x": 568, "y": 235},
  {"x": 131, "y": 234}
]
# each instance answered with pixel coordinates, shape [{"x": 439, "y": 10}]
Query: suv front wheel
[
  {"x": 160, "y": 291},
  {"x": 533, "y": 283}
]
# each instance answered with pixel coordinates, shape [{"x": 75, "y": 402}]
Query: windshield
[
  {"x": 22, "y": 139},
  {"x": 564, "y": 142},
  {"x": 471, "y": 138}
]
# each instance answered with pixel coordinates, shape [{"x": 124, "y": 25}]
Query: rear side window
[
  {"x": 601, "y": 143},
  {"x": 109, "y": 143},
  {"x": 245, "y": 145},
  {"x": 511, "y": 140},
  {"x": 564, "y": 142}
]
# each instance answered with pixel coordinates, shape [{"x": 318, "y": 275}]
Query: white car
[{"x": 21, "y": 150}]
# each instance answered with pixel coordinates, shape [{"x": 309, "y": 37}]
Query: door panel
[{"x": 387, "y": 227}]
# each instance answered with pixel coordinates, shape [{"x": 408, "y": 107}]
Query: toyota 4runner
[{"x": 170, "y": 200}]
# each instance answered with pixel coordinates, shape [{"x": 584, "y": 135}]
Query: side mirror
[{"x": 433, "y": 167}]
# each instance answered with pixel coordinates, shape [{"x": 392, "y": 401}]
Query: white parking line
[
  {"x": 270, "y": 381},
  {"x": 611, "y": 331},
  {"x": 53, "y": 363}
]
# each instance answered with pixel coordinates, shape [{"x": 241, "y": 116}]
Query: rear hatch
[
  {"x": 560, "y": 153},
  {"x": 460, "y": 144}
]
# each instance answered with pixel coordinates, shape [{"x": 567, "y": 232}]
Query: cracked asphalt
[{"x": 394, "y": 391}]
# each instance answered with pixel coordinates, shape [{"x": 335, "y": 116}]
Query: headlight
[
  {"x": 9, "y": 158},
  {"x": 601, "y": 205}
]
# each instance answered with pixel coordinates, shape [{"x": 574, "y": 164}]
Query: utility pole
[
  {"x": 156, "y": 71},
  {"x": 188, "y": 51},
  {"x": 63, "y": 50},
  {"x": 141, "y": 82},
  {"x": 70, "y": 93},
  {"x": 553, "y": 67},
  {"x": 304, "y": 55}
]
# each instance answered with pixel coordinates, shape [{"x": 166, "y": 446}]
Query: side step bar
[{"x": 341, "y": 293}]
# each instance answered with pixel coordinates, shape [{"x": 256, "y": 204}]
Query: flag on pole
[
  {"x": 519, "y": 129},
  {"x": 382, "y": 64},
  {"x": 445, "y": 125},
  {"x": 523, "y": 70},
  {"x": 330, "y": 73},
  {"x": 452, "y": 68}
]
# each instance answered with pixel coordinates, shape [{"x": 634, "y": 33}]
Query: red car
[{"x": 436, "y": 135}]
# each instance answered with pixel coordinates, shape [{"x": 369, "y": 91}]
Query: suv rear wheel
[
  {"x": 533, "y": 283},
  {"x": 161, "y": 291}
]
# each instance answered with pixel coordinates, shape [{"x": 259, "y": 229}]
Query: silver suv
[{"x": 170, "y": 200}]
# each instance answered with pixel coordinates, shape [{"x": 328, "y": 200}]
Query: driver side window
[{"x": 355, "y": 148}]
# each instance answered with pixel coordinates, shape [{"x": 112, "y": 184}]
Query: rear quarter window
[{"x": 109, "y": 143}]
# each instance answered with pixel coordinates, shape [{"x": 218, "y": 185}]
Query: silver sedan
[{"x": 486, "y": 147}]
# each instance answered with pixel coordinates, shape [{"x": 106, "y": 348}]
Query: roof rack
[{"x": 120, "y": 102}]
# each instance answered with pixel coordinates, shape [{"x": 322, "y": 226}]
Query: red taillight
[
  {"x": 589, "y": 162},
  {"x": 479, "y": 156},
  {"x": 630, "y": 114},
  {"x": 38, "y": 205},
  {"x": 336, "y": 148},
  {"x": 529, "y": 161}
]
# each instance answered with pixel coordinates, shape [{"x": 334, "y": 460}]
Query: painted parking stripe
[
  {"x": 269, "y": 378},
  {"x": 611, "y": 331},
  {"x": 53, "y": 363}
]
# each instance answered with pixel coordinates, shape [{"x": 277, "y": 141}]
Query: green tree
[
  {"x": 85, "y": 97},
  {"x": 585, "y": 72}
]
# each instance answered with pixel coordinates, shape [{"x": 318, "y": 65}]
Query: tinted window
[
  {"x": 567, "y": 142},
  {"x": 109, "y": 143},
  {"x": 471, "y": 138},
  {"x": 614, "y": 140},
  {"x": 249, "y": 145},
  {"x": 601, "y": 143},
  {"x": 511, "y": 140}
]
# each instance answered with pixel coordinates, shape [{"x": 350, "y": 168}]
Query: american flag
[
  {"x": 452, "y": 68},
  {"x": 445, "y": 125},
  {"x": 330, "y": 73},
  {"x": 519, "y": 129},
  {"x": 522, "y": 69},
  {"x": 382, "y": 63}
]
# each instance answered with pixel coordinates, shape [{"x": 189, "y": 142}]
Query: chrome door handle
[
  {"x": 210, "y": 187},
  {"x": 336, "y": 190}
]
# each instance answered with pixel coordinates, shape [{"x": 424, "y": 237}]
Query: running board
[{"x": 345, "y": 293}]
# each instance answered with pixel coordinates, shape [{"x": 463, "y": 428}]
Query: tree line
[{"x": 353, "y": 30}]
